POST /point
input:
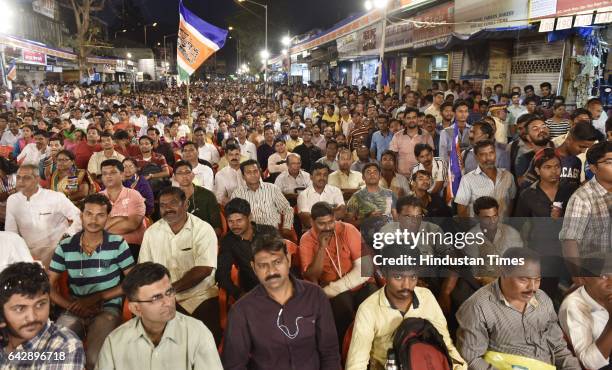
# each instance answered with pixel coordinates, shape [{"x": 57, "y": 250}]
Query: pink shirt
[
  {"x": 404, "y": 145},
  {"x": 128, "y": 203}
]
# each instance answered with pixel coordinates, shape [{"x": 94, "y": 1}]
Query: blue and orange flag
[
  {"x": 455, "y": 165},
  {"x": 197, "y": 41}
]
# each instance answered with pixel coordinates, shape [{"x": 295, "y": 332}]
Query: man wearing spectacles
[
  {"x": 383, "y": 312},
  {"x": 293, "y": 319},
  {"x": 158, "y": 337},
  {"x": 585, "y": 316},
  {"x": 28, "y": 339},
  {"x": 586, "y": 226},
  {"x": 188, "y": 247}
]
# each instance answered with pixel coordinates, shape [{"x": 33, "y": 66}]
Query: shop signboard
[
  {"x": 120, "y": 67},
  {"x": 33, "y": 57},
  {"x": 472, "y": 16},
  {"x": 567, "y": 7},
  {"x": 406, "y": 34}
]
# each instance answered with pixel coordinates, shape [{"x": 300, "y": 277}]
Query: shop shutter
[
  {"x": 535, "y": 61},
  {"x": 455, "y": 65}
]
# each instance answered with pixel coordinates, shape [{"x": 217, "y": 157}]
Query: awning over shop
[{"x": 20, "y": 43}]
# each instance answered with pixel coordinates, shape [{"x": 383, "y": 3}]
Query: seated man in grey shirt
[{"x": 511, "y": 316}]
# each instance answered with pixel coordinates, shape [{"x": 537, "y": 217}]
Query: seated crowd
[{"x": 272, "y": 232}]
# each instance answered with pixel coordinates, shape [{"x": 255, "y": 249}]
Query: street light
[
  {"x": 286, "y": 40},
  {"x": 230, "y": 28},
  {"x": 122, "y": 31},
  {"x": 284, "y": 52},
  {"x": 129, "y": 55},
  {"x": 382, "y": 5},
  {"x": 266, "y": 41},
  {"x": 154, "y": 24}
]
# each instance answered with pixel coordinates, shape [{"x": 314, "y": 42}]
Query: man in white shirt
[
  {"x": 599, "y": 115},
  {"x": 151, "y": 122},
  {"x": 34, "y": 152},
  {"x": 139, "y": 119},
  {"x": 204, "y": 176},
  {"x": 247, "y": 148},
  {"x": 515, "y": 109},
  {"x": 434, "y": 108},
  {"x": 585, "y": 316},
  {"x": 294, "y": 177},
  {"x": 229, "y": 177},
  {"x": 41, "y": 216},
  {"x": 78, "y": 121},
  {"x": 14, "y": 249},
  {"x": 319, "y": 191},
  {"x": 188, "y": 246},
  {"x": 345, "y": 178},
  {"x": 108, "y": 152},
  {"x": 206, "y": 151},
  {"x": 12, "y": 134}
]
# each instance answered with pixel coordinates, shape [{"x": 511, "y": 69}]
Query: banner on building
[
  {"x": 365, "y": 42},
  {"x": 475, "y": 64},
  {"x": 44, "y": 7},
  {"x": 406, "y": 35},
  {"x": 475, "y": 15},
  {"x": 33, "y": 57},
  {"x": 120, "y": 66}
]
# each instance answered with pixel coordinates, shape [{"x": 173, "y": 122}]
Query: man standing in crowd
[
  {"x": 295, "y": 316},
  {"x": 188, "y": 246},
  {"x": 405, "y": 140},
  {"x": 93, "y": 308},
  {"x": 157, "y": 336},
  {"x": 25, "y": 305},
  {"x": 308, "y": 152},
  {"x": 42, "y": 217},
  {"x": 447, "y": 136},
  {"x": 266, "y": 149}
]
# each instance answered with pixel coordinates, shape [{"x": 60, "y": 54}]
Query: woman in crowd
[{"x": 68, "y": 179}]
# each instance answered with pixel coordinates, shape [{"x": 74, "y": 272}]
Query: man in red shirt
[
  {"x": 85, "y": 149},
  {"x": 151, "y": 165}
]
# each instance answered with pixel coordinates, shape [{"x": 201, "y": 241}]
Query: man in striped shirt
[
  {"x": 266, "y": 200},
  {"x": 94, "y": 261}
]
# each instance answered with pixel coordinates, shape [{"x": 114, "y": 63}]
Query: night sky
[{"x": 302, "y": 15}]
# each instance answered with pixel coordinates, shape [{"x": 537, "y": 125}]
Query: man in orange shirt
[{"x": 331, "y": 255}]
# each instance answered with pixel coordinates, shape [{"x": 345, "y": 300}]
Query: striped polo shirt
[{"x": 91, "y": 274}]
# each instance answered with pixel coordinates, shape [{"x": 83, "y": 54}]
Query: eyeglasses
[{"x": 171, "y": 292}]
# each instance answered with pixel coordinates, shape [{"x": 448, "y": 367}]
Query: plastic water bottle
[{"x": 391, "y": 364}]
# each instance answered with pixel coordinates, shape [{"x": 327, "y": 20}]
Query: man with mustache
[
  {"x": 95, "y": 260},
  {"x": 484, "y": 130},
  {"x": 537, "y": 137},
  {"x": 512, "y": 316},
  {"x": 331, "y": 256},
  {"x": 283, "y": 323},
  {"x": 585, "y": 316},
  {"x": 158, "y": 336},
  {"x": 228, "y": 178},
  {"x": 188, "y": 246},
  {"x": 25, "y": 326},
  {"x": 404, "y": 141},
  {"x": 383, "y": 312},
  {"x": 486, "y": 180},
  {"x": 434, "y": 165}
]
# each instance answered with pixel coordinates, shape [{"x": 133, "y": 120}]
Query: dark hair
[
  {"x": 485, "y": 127},
  {"x": 409, "y": 200},
  {"x": 129, "y": 159},
  {"x": 420, "y": 172},
  {"x": 544, "y": 155},
  {"x": 321, "y": 209},
  {"x": 483, "y": 144},
  {"x": 330, "y": 142},
  {"x": 485, "y": 203},
  {"x": 98, "y": 199},
  {"x": 67, "y": 153},
  {"x": 609, "y": 124},
  {"x": 42, "y": 133},
  {"x": 411, "y": 110},
  {"x": 24, "y": 278},
  {"x": 8, "y": 167},
  {"x": 446, "y": 104},
  {"x": 592, "y": 101},
  {"x": 598, "y": 151},
  {"x": 515, "y": 93},
  {"x": 182, "y": 164},
  {"x": 145, "y": 137},
  {"x": 154, "y": 129},
  {"x": 249, "y": 162},
  {"x": 237, "y": 205},
  {"x": 174, "y": 191},
  {"x": 516, "y": 254},
  {"x": 230, "y": 147},
  {"x": 368, "y": 165},
  {"x": 319, "y": 166},
  {"x": 546, "y": 84},
  {"x": 460, "y": 103},
  {"x": 580, "y": 111},
  {"x": 123, "y": 135},
  {"x": 142, "y": 274},
  {"x": 530, "y": 100},
  {"x": 583, "y": 131},
  {"x": 112, "y": 163},
  {"x": 531, "y": 119},
  {"x": 268, "y": 243},
  {"x": 420, "y": 147}
]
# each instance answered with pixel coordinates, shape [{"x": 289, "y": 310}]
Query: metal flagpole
[{"x": 189, "y": 122}]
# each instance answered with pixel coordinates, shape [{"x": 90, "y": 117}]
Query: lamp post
[
  {"x": 382, "y": 5},
  {"x": 166, "y": 50},
  {"x": 265, "y": 6},
  {"x": 154, "y": 24},
  {"x": 121, "y": 31}
]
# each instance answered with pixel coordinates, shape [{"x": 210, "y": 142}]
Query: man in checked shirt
[{"x": 28, "y": 339}]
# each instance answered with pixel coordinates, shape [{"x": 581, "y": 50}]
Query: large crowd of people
[{"x": 234, "y": 230}]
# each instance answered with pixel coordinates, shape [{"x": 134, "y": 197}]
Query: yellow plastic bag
[{"x": 505, "y": 361}]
